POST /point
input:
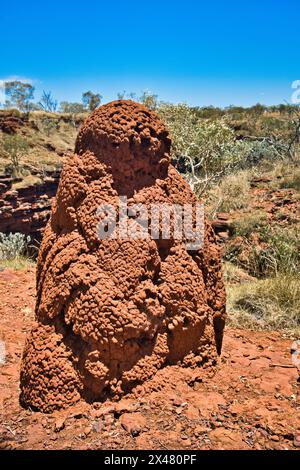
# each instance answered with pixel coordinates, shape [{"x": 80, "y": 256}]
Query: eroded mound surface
[{"x": 110, "y": 313}]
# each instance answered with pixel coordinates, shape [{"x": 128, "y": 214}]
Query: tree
[
  {"x": 149, "y": 100},
  {"x": 14, "y": 146},
  {"x": 19, "y": 94},
  {"x": 49, "y": 124},
  {"x": 258, "y": 109},
  {"x": 72, "y": 108},
  {"x": 91, "y": 100},
  {"x": 47, "y": 102},
  {"x": 208, "y": 112},
  {"x": 121, "y": 95}
]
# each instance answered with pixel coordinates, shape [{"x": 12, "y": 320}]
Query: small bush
[
  {"x": 256, "y": 152},
  {"x": 13, "y": 246},
  {"x": 14, "y": 147},
  {"x": 284, "y": 249},
  {"x": 49, "y": 124}
]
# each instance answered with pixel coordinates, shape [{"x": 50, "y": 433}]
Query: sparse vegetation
[
  {"x": 19, "y": 95},
  {"x": 72, "y": 108},
  {"x": 231, "y": 193},
  {"x": 47, "y": 102},
  {"x": 91, "y": 100},
  {"x": 14, "y": 147},
  {"x": 13, "y": 246},
  {"x": 266, "y": 304},
  {"x": 49, "y": 124},
  {"x": 202, "y": 150},
  {"x": 292, "y": 180},
  {"x": 29, "y": 180},
  {"x": 268, "y": 250},
  {"x": 250, "y": 223}
]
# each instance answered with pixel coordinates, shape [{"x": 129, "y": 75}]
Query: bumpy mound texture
[{"x": 110, "y": 313}]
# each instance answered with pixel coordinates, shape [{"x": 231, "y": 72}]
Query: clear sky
[{"x": 201, "y": 52}]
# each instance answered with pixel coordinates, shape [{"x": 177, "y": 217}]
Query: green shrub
[
  {"x": 14, "y": 147},
  {"x": 13, "y": 246},
  {"x": 49, "y": 124},
  {"x": 204, "y": 147}
]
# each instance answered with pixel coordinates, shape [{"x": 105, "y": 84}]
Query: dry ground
[{"x": 247, "y": 404}]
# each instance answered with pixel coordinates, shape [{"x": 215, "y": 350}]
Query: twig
[{"x": 286, "y": 366}]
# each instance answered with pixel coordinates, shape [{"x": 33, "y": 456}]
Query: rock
[
  {"x": 296, "y": 441},
  {"x": 59, "y": 424},
  {"x": 191, "y": 412},
  {"x": 104, "y": 410},
  {"x": 224, "y": 235},
  {"x": 109, "y": 419},
  {"x": 97, "y": 426},
  {"x": 201, "y": 429},
  {"x": 236, "y": 409},
  {"x": 87, "y": 430},
  {"x": 125, "y": 406},
  {"x": 177, "y": 401},
  {"x": 186, "y": 442},
  {"x": 197, "y": 377},
  {"x": 225, "y": 439},
  {"x": 134, "y": 423},
  {"x": 28, "y": 209},
  {"x": 10, "y": 124}
]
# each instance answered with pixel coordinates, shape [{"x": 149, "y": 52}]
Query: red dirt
[
  {"x": 110, "y": 313},
  {"x": 246, "y": 404}
]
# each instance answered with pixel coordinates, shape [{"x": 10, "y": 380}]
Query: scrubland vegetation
[
  {"x": 14, "y": 251},
  {"x": 236, "y": 159}
]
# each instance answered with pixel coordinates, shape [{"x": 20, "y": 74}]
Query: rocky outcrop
[
  {"x": 221, "y": 226},
  {"x": 110, "y": 311},
  {"x": 27, "y": 210},
  {"x": 11, "y": 122}
]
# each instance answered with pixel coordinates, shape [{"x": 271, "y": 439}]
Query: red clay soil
[
  {"x": 245, "y": 404},
  {"x": 110, "y": 313}
]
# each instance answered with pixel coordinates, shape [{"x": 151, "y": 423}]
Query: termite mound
[{"x": 111, "y": 312}]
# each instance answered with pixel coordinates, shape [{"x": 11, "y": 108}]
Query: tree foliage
[
  {"x": 203, "y": 148},
  {"x": 91, "y": 100},
  {"x": 47, "y": 102},
  {"x": 72, "y": 108},
  {"x": 19, "y": 95},
  {"x": 149, "y": 100},
  {"x": 14, "y": 147},
  {"x": 49, "y": 124}
]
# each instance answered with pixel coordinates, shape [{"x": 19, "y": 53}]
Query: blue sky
[{"x": 210, "y": 52}]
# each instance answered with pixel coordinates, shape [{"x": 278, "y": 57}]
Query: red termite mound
[{"x": 111, "y": 312}]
